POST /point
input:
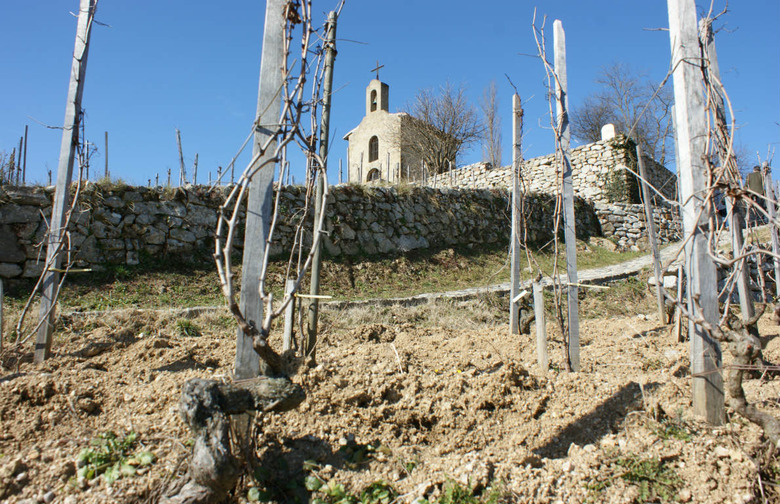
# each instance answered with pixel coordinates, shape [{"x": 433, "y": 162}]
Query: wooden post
[
  {"x": 169, "y": 177},
  {"x": 106, "y": 155},
  {"x": 70, "y": 140},
  {"x": 182, "y": 169},
  {"x": 24, "y": 166},
  {"x": 734, "y": 216},
  {"x": 319, "y": 204},
  {"x": 678, "y": 316},
  {"x": 541, "y": 329},
  {"x": 289, "y": 318},
  {"x": 514, "y": 246},
  {"x": 570, "y": 235},
  {"x": 259, "y": 204},
  {"x": 340, "y": 172},
  {"x": 195, "y": 170},
  {"x": 770, "y": 200},
  {"x": 651, "y": 236},
  {"x": 706, "y": 359},
  {"x": 19, "y": 162}
]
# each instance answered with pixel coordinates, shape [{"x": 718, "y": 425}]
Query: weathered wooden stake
[
  {"x": 319, "y": 204},
  {"x": 651, "y": 236},
  {"x": 678, "y": 316},
  {"x": 517, "y": 160},
  {"x": 289, "y": 318},
  {"x": 541, "y": 328},
  {"x": 195, "y": 170},
  {"x": 24, "y": 165},
  {"x": 70, "y": 139},
  {"x": 260, "y": 200},
  {"x": 182, "y": 169},
  {"x": 734, "y": 216},
  {"x": 106, "y": 155},
  {"x": 706, "y": 359},
  {"x": 771, "y": 200},
  {"x": 570, "y": 235},
  {"x": 19, "y": 162}
]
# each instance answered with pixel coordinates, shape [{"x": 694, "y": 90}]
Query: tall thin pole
[
  {"x": 70, "y": 139},
  {"x": 706, "y": 359},
  {"x": 24, "y": 166},
  {"x": 569, "y": 232},
  {"x": 517, "y": 160},
  {"x": 259, "y": 204},
  {"x": 771, "y": 201},
  {"x": 734, "y": 216},
  {"x": 182, "y": 169},
  {"x": 195, "y": 170},
  {"x": 651, "y": 236},
  {"x": 319, "y": 205},
  {"x": 105, "y": 174},
  {"x": 19, "y": 162}
]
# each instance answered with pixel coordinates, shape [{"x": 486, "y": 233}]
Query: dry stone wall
[
  {"x": 599, "y": 174},
  {"x": 625, "y": 224},
  {"x": 128, "y": 225}
]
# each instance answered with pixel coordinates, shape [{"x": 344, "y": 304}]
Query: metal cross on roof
[{"x": 378, "y": 66}]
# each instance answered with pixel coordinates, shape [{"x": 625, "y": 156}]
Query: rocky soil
[{"x": 422, "y": 404}]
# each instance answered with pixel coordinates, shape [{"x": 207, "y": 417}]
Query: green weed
[
  {"x": 655, "y": 481},
  {"x": 378, "y": 492},
  {"x": 111, "y": 456},
  {"x": 188, "y": 328},
  {"x": 355, "y": 453},
  {"x": 672, "y": 428}
]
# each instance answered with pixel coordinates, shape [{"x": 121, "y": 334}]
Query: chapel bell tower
[{"x": 377, "y": 96}]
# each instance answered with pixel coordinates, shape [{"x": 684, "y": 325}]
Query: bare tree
[
  {"x": 491, "y": 142},
  {"x": 634, "y": 104},
  {"x": 443, "y": 123}
]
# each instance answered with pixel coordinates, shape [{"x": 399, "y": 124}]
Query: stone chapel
[{"x": 375, "y": 151}]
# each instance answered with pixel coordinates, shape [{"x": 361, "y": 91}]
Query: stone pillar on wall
[{"x": 608, "y": 131}]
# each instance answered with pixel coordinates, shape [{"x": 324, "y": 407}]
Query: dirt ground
[{"x": 424, "y": 404}]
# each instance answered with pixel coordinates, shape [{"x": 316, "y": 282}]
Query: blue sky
[{"x": 194, "y": 65}]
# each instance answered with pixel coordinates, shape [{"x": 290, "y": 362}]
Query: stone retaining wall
[
  {"x": 598, "y": 174},
  {"x": 127, "y": 225},
  {"x": 625, "y": 224}
]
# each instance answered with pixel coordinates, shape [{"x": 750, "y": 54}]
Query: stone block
[
  {"x": 10, "y": 249},
  {"x": 154, "y": 236},
  {"x": 182, "y": 235},
  {"x": 132, "y": 196},
  {"x": 11, "y": 213},
  {"x": 33, "y": 269},
  {"x": 113, "y": 202},
  {"x": 347, "y": 233},
  {"x": 10, "y": 270}
]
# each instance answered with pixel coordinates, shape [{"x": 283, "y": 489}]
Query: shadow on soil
[
  {"x": 284, "y": 464},
  {"x": 602, "y": 420}
]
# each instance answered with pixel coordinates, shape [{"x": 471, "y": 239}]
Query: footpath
[{"x": 595, "y": 276}]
